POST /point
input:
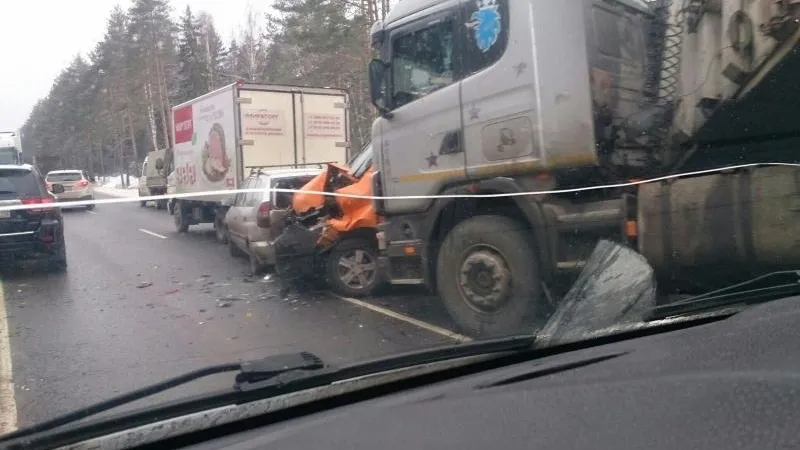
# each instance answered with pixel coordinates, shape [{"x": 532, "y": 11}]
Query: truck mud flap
[{"x": 617, "y": 287}]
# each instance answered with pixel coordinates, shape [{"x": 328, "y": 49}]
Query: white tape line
[{"x": 231, "y": 192}]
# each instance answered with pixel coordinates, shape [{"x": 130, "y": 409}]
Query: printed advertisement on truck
[{"x": 205, "y": 144}]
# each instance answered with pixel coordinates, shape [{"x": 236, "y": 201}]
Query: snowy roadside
[
  {"x": 117, "y": 192},
  {"x": 112, "y": 186}
]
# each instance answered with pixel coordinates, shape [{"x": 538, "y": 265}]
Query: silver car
[
  {"x": 253, "y": 220},
  {"x": 77, "y": 185}
]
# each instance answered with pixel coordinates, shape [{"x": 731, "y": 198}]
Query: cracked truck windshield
[{"x": 187, "y": 184}]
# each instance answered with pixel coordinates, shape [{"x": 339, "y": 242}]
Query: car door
[
  {"x": 420, "y": 146},
  {"x": 233, "y": 219},
  {"x": 252, "y": 203}
]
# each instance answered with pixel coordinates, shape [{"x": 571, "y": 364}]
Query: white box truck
[{"x": 220, "y": 137}]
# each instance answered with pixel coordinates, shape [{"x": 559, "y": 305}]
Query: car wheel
[
  {"x": 90, "y": 207},
  {"x": 352, "y": 268},
  {"x": 142, "y": 203},
  {"x": 58, "y": 263}
]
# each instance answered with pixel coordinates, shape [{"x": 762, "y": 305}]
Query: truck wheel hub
[{"x": 484, "y": 280}]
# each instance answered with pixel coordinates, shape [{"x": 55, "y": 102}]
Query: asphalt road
[{"x": 141, "y": 303}]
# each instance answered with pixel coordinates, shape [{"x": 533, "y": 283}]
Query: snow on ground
[
  {"x": 112, "y": 186},
  {"x": 115, "y": 182}
]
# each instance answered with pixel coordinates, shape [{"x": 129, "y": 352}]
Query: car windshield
[
  {"x": 64, "y": 176},
  {"x": 217, "y": 181}
]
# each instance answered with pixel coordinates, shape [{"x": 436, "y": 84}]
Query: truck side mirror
[{"x": 377, "y": 86}]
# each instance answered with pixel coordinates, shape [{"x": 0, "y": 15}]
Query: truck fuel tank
[{"x": 733, "y": 224}]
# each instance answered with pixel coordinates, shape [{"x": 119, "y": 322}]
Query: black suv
[{"x": 33, "y": 233}]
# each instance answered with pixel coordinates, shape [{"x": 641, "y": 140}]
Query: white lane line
[
  {"x": 152, "y": 234},
  {"x": 8, "y": 403},
  {"x": 92, "y": 212},
  {"x": 402, "y": 317}
]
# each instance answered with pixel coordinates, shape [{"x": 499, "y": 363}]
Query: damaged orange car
[{"x": 332, "y": 235}]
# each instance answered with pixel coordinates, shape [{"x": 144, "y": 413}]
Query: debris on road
[{"x": 144, "y": 284}]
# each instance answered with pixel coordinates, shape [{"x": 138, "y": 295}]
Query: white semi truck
[
  {"x": 506, "y": 97},
  {"x": 10, "y": 148},
  {"x": 219, "y": 137}
]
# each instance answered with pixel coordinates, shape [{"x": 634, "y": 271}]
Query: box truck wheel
[
  {"x": 219, "y": 227},
  {"x": 352, "y": 268},
  {"x": 181, "y": 217},
  {"x": 488, "y": 277}
]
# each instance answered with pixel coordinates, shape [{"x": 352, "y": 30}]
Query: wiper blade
[
  {"x": 273, "y": 375},
  {"x": 771, "y": 286},
  {"x": 249, "y": 372}
]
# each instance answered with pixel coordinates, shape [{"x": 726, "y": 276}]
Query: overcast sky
[{"x": 38, "y": 38}]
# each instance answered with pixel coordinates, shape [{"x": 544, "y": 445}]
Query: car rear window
[
  {"x": 284, "y": 199},
  {"x": 68, "y": 176},
  {"x": 18, "y": 183}
]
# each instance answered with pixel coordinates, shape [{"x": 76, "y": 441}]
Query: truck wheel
[
  {"x": 219, "y": 229},
  {"x": 352, "y": 268},
  {"x": 488, "y": 278},
  {"x": 181, "y": 218},
  {"x": 142, "y": 203},
  {"x": 161, "y": 204}
]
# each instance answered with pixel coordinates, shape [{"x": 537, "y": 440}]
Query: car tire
[
  {"x": 143, "y": 203},
  {"x": 90, "y": 207},
  {"x": 58, "y": 263},
  {"x": 359, "y": 251},
  {"x": 505, "y": 249}
]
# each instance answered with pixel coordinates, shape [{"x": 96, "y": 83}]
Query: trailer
[
  {"x": 545, "y": 116},
  {"x": 217, "y": 137}
]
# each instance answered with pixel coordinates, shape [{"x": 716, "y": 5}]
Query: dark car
[{"x": 34, "y": 233}]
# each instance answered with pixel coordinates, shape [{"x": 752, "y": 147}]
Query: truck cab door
[{"x": 420, "y": 147}]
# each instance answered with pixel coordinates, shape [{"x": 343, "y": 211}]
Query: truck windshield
[
  {"x": 361, "y": 162},
  {"x": 8, "y": 155}
]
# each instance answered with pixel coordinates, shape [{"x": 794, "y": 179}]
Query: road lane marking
[
  {"x": 402, "y": 317},
  {"x": 92, "y": 212},
  {"x": 152, "y": 234},
  {"x": 8, "y": 403}
]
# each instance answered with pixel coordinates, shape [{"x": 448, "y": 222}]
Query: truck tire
[
  {"x": 488, "y": 278},
  {"x": 219, "y": 228},
  {"x": 181, "y": 218},
  {"x": 161, "y": 204},
  {"x": 142, "y": 203},
  {"x": 362, "y": 256}
]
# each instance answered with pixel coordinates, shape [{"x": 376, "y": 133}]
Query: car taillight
[
  {"x": 83, "y": 184},
  {"x": 37, "y": 201},
  {"x": 262, "y": 215}
]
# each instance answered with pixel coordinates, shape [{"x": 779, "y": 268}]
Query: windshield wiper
[
  {"x": 771, "y": 286},
  {"x": 279, "y": 374}
]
